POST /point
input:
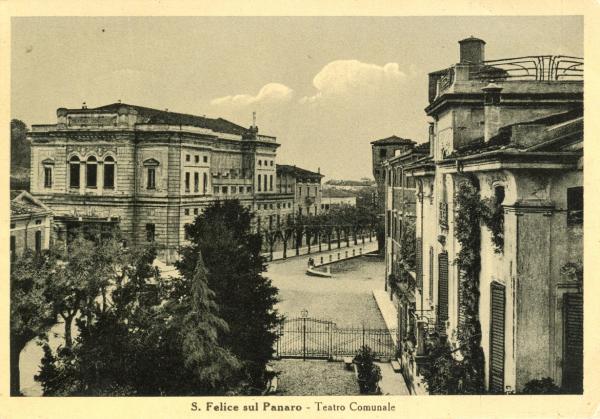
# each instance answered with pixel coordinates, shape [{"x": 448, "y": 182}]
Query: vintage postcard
[{"x": 299, "y": 212}]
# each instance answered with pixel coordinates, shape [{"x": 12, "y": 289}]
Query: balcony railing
[
  {"x": 444, "y": 214},
  {"x": 537, "y": 68}
]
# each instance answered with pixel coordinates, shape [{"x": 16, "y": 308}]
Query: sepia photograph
[{"x": 296, "y": 206}]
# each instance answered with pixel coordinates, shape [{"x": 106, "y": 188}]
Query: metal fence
[
  {"x": 304, "y": 337},
  {"x": 540, "y": 68}
]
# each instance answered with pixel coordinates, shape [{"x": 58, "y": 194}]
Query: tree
[
  {"x": 246, "y": 299},
  {"x": 20, "y": 155},
  {"x": 82, "y": 278},
  {"x": 31, "y": 311},
  {"x": 153, "y": 337},
  {"x": 20, "y": 149}
]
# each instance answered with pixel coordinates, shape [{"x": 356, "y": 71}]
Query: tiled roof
[
  {"x": 393, "y": 140},
  {"x": 22, "y": 203},
  {"x": 297, "y": 171},
  {"x": 156, "y": 116}
]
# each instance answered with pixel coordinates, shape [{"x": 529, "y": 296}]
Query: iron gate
[{"x": 304, "y": 337}]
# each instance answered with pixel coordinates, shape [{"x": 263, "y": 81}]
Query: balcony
[
  {"x": 443, "y": 214},
  {"x": 535, "y": 68}
]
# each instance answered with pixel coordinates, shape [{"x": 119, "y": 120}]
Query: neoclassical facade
[{"x": 150, "y": 171}]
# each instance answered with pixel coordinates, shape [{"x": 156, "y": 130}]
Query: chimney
[
  {"x": 491, "y": 107},
  {"x": 472, "y": 50}
]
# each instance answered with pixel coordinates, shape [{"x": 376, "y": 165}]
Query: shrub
[
  {"x": 543, "y": 386},
  {"x": 369, "y": 374}
]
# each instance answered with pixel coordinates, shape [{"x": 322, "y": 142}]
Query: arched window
[
  {"x": 271, "y": 182},
  {"x": 265, "y": 183},
  {"x": 259, "y": 183},
  {"x": 91, "y": 172},
  {"x": 109, "y": 173},
  {"x": 74, "y": 172},
  {"x": 204, "y": 183}
]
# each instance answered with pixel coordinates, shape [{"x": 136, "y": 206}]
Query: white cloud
[
  {"x": 269, "y": 93},
  {"x": 341, "y": 77}
]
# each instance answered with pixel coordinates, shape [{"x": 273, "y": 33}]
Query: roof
[
  {"x": 337, "y": 193},
  {"x": 156, "y": 116},
  {"x": 23, "y": 203},
  {"x": 394, "y": 139},
  {"x": 556, "y": 130},
  {"x": 297, "y": 171}
]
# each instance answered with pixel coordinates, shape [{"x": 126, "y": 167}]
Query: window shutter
[
  {"x": 572, "y": 375},
  {"x": 497, "y": 308},
  {"x": 431, "y": 274},
  {"x": 461, "y": 311},
  {"x": 442, "y": 290},
  {"x": 419, "y": 262}
]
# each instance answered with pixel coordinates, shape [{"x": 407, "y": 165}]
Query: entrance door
[
  {"x": 497, "y": 309},
  {"x": 572, "y": 374}
]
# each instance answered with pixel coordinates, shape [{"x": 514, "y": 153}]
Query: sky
[{"x": 324, "y": 86}]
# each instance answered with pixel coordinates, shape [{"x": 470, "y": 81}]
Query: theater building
[{"x": 150, "y": 171}]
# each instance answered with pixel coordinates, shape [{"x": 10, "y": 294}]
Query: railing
[
  {"x": 538, "y": 68},
  {"x": 304, "y": 337},
  {"x": 444, "y": 214}
]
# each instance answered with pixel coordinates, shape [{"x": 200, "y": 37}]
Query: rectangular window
[
  {"x": 382, "y": 153},
  {"x": 151, "y": 178},
  {"x": 109, "y": 176},
  {"x": 195, "y": 211},
  {"x": 224, "y": 189},
  {"x": 216, "y": 190},
  {"x": 47, "y": 177},
  {"x": 248, "y": 189},
  {"x": 187, "y": 157},
  {"x": 271, "y": 182},
  {"x": 259, "y": 184},
  {"x": 150, "y": 232},
  {"x": 205, "y": 159},
  {"x": 38, "y": 241},
  {"x": 91, "y": 175},
  {"x": 197, "y": 158},
  {"x": 204, "y": 183},
  {"x": 186, "y": 211},
  {"x": 196, "y": 182},
  {"x": 74, "y": 175},
  {"x": 265, "y": 182},
  {"x": 187, "y": 181},
  {"x": 575, "y": 205}
]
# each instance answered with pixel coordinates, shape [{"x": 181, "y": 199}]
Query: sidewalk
[
  {"x": 314, "y": 249},
  {"x": 387, "y": 309},
  {"x": 391, "y": 383}
]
